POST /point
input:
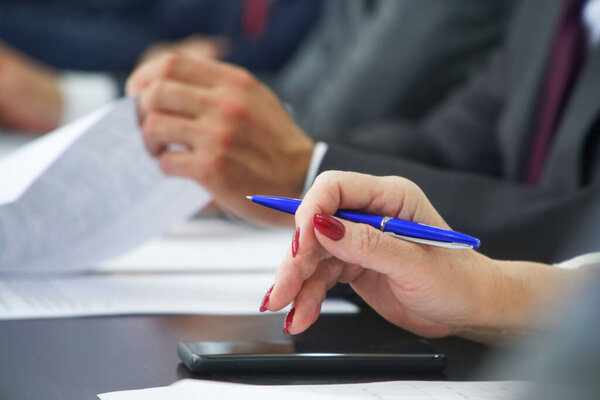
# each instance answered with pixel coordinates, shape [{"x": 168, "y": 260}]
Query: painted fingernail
[
  {"x": 265, "y": 300},
  {"x": 288, "y": 320},
  {"x": 295, "y": 242},
  {"x": 329, "y": 226}
]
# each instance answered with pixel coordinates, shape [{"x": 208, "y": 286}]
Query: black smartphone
[{"x": 281, "y": 357}]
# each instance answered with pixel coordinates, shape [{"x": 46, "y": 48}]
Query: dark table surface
[{"x": 77, "y": 358}]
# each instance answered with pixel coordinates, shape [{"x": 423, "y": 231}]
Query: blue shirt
[{"x": 110, "y": 35}]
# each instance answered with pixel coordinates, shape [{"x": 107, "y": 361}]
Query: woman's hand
[{"x": 428, "y": 290}]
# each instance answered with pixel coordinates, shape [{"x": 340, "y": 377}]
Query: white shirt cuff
[
  {"x": 584, "y": 261},
  {"x": 315, "y": 161},
  {"x": 591, "y": 18},
  {"x": 84, "y": 92}
]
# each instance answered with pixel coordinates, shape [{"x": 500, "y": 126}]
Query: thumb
[{"x": 364, "y": 245}]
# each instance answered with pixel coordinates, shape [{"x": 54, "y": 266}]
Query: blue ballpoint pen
[{"x": 401, "y": 229}]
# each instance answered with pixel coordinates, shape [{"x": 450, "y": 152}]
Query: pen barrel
[
  {"x": 410, "y": 228},
  {"x": 392, "y": 225},
  {"x": 428, "y": 232},
  {"x": 278, "y": 203},
  {"x": 359, "y": 218}
]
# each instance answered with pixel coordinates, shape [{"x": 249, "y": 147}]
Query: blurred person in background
[
  {"x": 371, "y": 60},
  {"x": 368, "y": 60},
  {"x": 343, "y": 76},
  {"x": 512, "y": 156},
  {"x": 63, "y": 58}
]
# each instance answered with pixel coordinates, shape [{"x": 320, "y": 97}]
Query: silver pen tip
[{"x": 249, "y": 197}]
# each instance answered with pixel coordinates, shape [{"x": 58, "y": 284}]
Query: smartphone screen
[{"x": 284, "y": 357}]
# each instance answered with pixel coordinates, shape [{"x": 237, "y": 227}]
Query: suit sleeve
[
  {"x": 455, "y": 157},
  {"x": 392, "y": 66},
  {"x": 461, "y": 134},
  {"x": 511, "y": 220}
]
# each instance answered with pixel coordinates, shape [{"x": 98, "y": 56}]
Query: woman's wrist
[{"x": 512, "y": 293}]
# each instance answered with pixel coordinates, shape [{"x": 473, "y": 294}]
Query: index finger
[
  {"x": 199, "y": 71},
  {"x": 390, "y": 196},
  {"x": 299, "y": 264}
]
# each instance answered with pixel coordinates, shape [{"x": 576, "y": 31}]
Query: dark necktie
[
  {"x": 567, "y": 57},
  {"x": 255, "y": 18}
]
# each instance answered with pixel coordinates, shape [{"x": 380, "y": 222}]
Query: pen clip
[{"x": 446, "y": 245}]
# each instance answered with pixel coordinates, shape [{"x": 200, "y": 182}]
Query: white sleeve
[
  {"x": 315, "y": 161},
  {"x": 84, "y": 92},
  {"x": 584, "y": 261}
]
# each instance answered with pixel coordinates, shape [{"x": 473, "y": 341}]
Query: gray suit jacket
[
  {"x": 469, "y": 155},
  {"x": 371, "y": 60}
]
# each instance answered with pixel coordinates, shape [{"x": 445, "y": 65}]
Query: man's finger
[
  {"x": 161, "y": 130},
  {"x": 198, "y": 71},
  {"x": 173, "y": 97}
]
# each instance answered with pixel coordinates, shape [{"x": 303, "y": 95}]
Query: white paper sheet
[
  {"x": 87, "y": 192},
  {"x": 211, "y": 390},
  {"x": 405, "y": 390},
  {"x": 208, "y": 244},
  {"x": 11, "y": 141},
  {"x": 52, "y": 296},
  {"x": 21, "y": 168}
]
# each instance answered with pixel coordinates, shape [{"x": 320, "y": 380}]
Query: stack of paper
[
  {"x": 117, "y": 294},
  {"x": 88, "y": 192}
]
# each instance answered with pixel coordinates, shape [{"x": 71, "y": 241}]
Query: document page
[
  {"x": 85, "y": 193},
  {"x": 207, "y": 244},
  {"x": 52, "y": 296},
  {"x": 409, "y": 390},
  {"x": 11, "y": 141},
  {"x": 205, "y": 390}
]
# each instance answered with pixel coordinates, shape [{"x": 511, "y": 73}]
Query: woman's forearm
[{"x": 518, "y": 296}]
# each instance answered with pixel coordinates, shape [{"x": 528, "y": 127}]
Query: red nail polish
[
  {"x": 288, "y": 320},
  {"x": 329, "y": 226},
  {"x": 295, "y": 242},
  {"x": 265, "y": 300}
]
